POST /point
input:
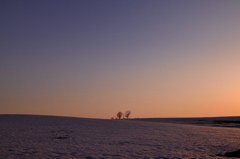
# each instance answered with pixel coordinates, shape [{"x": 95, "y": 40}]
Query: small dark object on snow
[
  {"x": 62, "y": 135},
  {"x": 231, "y": 154}
]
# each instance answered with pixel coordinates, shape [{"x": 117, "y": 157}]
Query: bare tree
[
  {"x": 119, "y": 115},
  {"x": 127, "y": 113}
]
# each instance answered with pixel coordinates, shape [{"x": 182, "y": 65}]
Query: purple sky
[{"x": 93, "y": 58}]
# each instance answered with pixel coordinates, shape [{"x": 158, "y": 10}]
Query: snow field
[{"x": 43, "y": 137}]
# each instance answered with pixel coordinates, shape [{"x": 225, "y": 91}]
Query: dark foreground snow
[{"x": 42, "y": 137}]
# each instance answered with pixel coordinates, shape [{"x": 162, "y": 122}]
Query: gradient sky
[{"x": 94, "y": 58}]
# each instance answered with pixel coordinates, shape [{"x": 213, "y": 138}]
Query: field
[{"x": 43, "y": 137}]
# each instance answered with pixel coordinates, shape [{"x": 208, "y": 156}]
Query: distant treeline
[{"x": 121, "y": 115}]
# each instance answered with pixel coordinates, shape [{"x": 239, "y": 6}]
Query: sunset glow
[{"x": 95, "y": 58}]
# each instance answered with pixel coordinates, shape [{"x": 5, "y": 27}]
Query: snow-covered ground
[
  {"x": 42, "y": 137},
  {"x": 209, "y": 121}
]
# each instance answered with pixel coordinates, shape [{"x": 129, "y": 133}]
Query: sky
[{"x": 93, "y": 58}]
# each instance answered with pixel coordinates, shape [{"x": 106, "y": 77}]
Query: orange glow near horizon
[{"x": 153, "y": 58}]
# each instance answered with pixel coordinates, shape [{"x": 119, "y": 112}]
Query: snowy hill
[
  {"x": 38, "y": 137},
  {"x": 207, "y": 121}
]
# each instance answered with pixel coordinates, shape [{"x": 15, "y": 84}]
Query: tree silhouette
[
  {"x": 127, "y": 113},
  {"x": 119, "y": 115}
]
